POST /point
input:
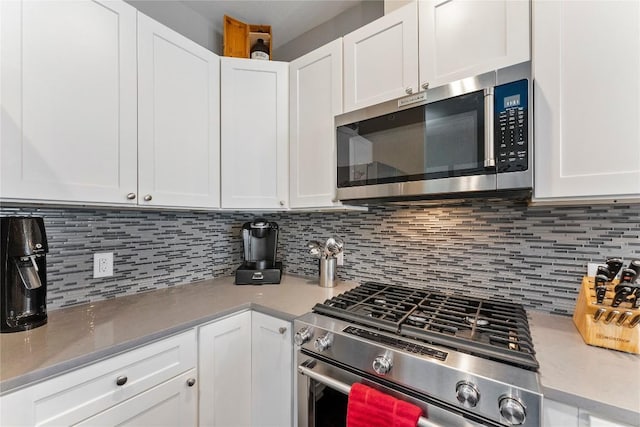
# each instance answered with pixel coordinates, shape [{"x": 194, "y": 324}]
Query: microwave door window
[
  {"x": 382, "y": 150},
  {"x": 454, "y": 137}
]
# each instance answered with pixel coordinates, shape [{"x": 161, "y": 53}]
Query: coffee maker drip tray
[{"x": 247, "y": 274}]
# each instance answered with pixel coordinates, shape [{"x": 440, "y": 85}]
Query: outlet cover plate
[{"x": 102, "y": 265}]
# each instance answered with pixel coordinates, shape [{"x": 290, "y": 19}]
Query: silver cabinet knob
[
  {"x": 281, "y": 202},
  {"x": 323, "y": 343},
  {"x": 409, "y": 90},
  {"x": 282, "y": 330},
  {"x": 512, "y": 410},
  {"x": 467, "y": 394},
  {"x": 191, "y": 382},
  {"x": 425, "y": 85},
  {"x": 131, "y": 196},
  {"x": 121, "y": 380},
  {"x": 147, "y": 198},
  {"x": 382, "y": 365},
  {"x": 302, "y": 336}
]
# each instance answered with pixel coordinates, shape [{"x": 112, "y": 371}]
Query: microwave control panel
[{"x": 512, "y": 126}]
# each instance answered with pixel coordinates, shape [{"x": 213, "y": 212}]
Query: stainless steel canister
[{"x": 328, "y": 272}]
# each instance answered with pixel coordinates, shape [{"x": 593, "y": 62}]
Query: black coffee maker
[
  {"x": 260, "y": 241},
  {"x": 23, "y": 249}
]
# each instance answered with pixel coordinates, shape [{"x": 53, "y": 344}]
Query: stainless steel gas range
[{"x": 465, "y": 361}]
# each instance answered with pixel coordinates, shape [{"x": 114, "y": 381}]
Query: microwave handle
[{"x": 489, "y": 148}]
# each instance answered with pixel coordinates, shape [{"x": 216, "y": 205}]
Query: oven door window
[{"x": 438, "y": 140}]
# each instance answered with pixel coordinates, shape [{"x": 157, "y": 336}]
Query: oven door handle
[{"x": 346, "y": 388}]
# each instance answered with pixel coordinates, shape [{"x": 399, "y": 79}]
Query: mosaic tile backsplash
[{"x": 505, "y": 248}]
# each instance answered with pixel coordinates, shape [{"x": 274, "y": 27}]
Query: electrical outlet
[
  {"x": 340, "y": 258},
  {"x": 102, "y": 265}
]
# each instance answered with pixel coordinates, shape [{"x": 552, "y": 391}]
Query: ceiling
[{"x": 288, "y": 18}]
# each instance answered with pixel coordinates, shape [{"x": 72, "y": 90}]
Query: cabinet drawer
[{"x": 82, "y": 393}]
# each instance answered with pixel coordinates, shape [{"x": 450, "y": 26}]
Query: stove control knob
[
  {"x": 382, "y": 365},
  {"x": 512, "y": 410},
  {"x": 302, "y": 336},
  {"x": 467, "y": 394},
  {"x": 323, "y": 343}
]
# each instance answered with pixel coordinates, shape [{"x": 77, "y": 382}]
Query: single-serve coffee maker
[
  {"x": 23, "y": 285},
  {"x": 260, "y": 241}
]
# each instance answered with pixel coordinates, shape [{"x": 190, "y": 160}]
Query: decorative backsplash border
[{"x": 486, "y": 248}]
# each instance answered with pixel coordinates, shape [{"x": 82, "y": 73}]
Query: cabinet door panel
[
  {"x": 178, "y": 110},
  {"x": 464, "y": 38},
  {"x": 381, "y": 59},
  {"x": 225, "y": 372},
  {"x": 315, "y": 98},
  {"x": 254, "y": 133},
  {"x": 271, "y": 390},
  {"x": 172, "y": 403},
  {"x": 587, "y": 99},
  {"x": 68, "y": 101}
]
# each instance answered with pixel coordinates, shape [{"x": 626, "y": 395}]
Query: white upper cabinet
[
  {"x": 587, "y": 100},
  {"x": 464, "y": 38},
  {"x": 68, "y": 101},
  {"x": 381, "y": 59},
  {"x": 178, "y": 119},
  {"x": 254, "y": 133},
  {"x": 315, "y": 97}
]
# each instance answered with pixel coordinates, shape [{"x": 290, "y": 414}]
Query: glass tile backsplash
[{"x": 504, "y": 248}]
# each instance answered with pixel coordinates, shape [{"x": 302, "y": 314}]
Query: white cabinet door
[
  {"x": 178, "y": 119},
  {"x": 587, "y": 100},
  {"x": 254, "y": 133},
  {"x": 315, "y": 94},
  {"x": 464, "y": 38},
  {"x": 68, "y": 123},
  {"x": 224, "y": 364},
  {"x": 381, "y": 59},
  {"x": 173, "y": 403},
  {"x": 271, "y": 366}
]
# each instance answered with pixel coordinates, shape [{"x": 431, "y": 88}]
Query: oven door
[{"x": 322, "y": 398}]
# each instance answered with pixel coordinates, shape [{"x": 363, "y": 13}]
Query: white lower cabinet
[
  {"x": 225, "y": 371},
  {"x": 557, "y": 414},
  {"x": 245, "y": 371},
  {"x": 271, "y": 375},
  {"x": 140, "y": 386}
]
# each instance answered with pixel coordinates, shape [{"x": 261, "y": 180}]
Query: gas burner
[
  {"x": 496, "y": 330},
  {"x": 476, "y": 321}
]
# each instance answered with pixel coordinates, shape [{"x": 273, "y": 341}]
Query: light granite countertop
[{"x": 604, "y": 382}]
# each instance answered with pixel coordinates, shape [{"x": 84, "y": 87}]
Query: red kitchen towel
[{"x": 368, "y": 407}]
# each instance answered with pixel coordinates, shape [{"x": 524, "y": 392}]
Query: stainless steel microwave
[{"x": 469, "y": 136}]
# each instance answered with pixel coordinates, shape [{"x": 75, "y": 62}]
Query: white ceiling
[{"x": 288, "y": 18}]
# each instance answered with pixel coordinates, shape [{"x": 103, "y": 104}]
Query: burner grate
[{"x": 497, "y": 330}]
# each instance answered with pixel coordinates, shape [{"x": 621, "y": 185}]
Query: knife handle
[
  {"x": 598, "y": 314},
  {"x": 603, "y": 271},
  {"x": 636, "y": 294},
  {"x": 621, "y": 295},
  {"x": 610, "y": 316},
  {"x": 627, "y": 275},
  {"x": 635, "y": 266},
  {"x": 634, "y": 321},
  {"x": 624, "y": 316},
  {"x": 614, "y": 265},
  {"x": 601, "y": 291}
]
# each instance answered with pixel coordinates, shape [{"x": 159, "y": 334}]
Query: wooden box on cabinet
[{"x": 240, "y": 37}]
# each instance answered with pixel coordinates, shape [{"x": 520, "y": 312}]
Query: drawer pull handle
[
  {"x": 191, "y": 382},
  {"x": 121, "y": 380},
  {"x": 282, "y": 330}
]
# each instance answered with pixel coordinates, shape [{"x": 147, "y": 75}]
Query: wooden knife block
[{"x": 611, "y": 335}]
